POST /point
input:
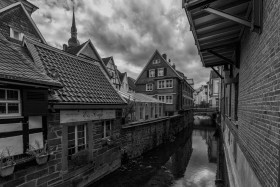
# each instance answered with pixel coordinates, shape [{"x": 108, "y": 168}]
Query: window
[
  {"x": 162, "y": 84},
  {"x": 151, "y": 73},
  {"x": 160, "y": 72},
  {"x": 9, "y": 102},
  {"x": 156, "y": 61},
  {"x": 169, "y": 99},
  {"x": 107, "y": 128},
  {"x": 76, "y": 139},
  {"x": 16, "y": 34},
  {"x": 149, "y": 87},
  {"x": 161, "y": 98}
]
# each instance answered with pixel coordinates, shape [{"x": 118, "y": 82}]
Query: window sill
[{"x": 11, "y": 117}]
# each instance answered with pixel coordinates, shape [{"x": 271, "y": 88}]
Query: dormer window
[{"x": 16, "y": 34}]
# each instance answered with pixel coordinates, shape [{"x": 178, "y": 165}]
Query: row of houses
[{"x": 61, "y": 110}]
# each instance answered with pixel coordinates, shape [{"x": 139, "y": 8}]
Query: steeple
[{"x": 73, "y": 41}]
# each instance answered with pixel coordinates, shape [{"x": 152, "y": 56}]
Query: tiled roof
[
  {"x": 16, "y": 65},
  {"x": 106, "y": 60},
  {"x": 83, "y": 81},
  {"x": 131, "y": 83},
  {"x": 139, "y": 97}
]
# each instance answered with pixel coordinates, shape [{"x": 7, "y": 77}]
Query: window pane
[
  {"x": 2, "y": 108},
  {"x": 2, "y": 94},
  {"x": 71, "y": 129},
  {"x": 81, "y": 134},
  {"x": 13, "y": 108},
  {"x": 71, "y": 143},
  {"x": 12, "y": 94},
  {"x": 71, "y": 136},
  {"x": 80, "y": 127},
  {"x": 81, "y": 141}
]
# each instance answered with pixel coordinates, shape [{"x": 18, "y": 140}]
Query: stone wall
[{"x": 140, "y": 137}]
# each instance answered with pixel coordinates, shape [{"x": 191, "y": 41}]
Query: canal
[{"x": 189, "y": 159}]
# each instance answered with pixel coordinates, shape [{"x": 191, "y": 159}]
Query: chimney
[
  {"x": 173, "y": 66},
  {"x": 169, "y": 61},
  {"x": 64, "y": 47},
  {"x": 164, "y": 56}
]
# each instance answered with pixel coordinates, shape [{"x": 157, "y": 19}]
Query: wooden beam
[
  {"x": 217, "y": 73},
  {"x": 219, "y": 32},
  {"x": 222, "y": 57},
  {"x": 257, "y": 16},
  {"x": 217, "y": 63},
  {"x": 228, "y": 16},
  {"x": 228, "y": 45},
  {"x": 192, "y": 6}
]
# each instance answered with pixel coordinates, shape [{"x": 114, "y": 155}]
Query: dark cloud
[{"x": 128, "y": 30}]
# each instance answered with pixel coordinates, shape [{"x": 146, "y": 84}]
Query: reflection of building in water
[
  {"x": 180, "y": 159},
  {"x": 211, "y": 141}
]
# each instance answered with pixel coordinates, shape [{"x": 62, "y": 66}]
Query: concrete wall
[{"x": 141, "y": 137}]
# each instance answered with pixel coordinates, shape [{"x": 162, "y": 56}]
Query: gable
[
  {"x": 89, "y": 52},
  {"x": 17, "y": 19},
  {"x": 169, "y": 71}
]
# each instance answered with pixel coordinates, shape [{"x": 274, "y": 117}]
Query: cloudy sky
[{"x": 128, "y": 30}]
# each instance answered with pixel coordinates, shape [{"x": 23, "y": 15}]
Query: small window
[
  {"x": 16, "y": 34},
  {"x": 76, "y": 139},
  {"x": 156, "y": 61},
  {"x": 149, "y": 87},
  {"x": 161, "y": 84},
  {"x": 107, "y": 129},
  {"x": 169, "y": 83},
  {"x": 9, "y": 102},
  {"x": 161, "y": 98},
  {"x": 169, "y": 99},
  {"x": 160, "y": 72},
  {"x": 151, "y": 73}
]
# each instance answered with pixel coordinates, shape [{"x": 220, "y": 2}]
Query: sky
[{"x": 128, "y": 30}]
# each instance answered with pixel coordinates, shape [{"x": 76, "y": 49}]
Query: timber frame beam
[{"x": 217, "y": 72}]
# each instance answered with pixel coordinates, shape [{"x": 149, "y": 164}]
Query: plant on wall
[
  {"x": 40, "y": 153},
  {"x": 7, "y": 163}
]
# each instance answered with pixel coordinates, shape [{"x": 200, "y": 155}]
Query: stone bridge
[{"x": 211, "y": 112}]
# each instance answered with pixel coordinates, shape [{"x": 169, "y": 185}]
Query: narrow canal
[{"x": 190, "y": 159}]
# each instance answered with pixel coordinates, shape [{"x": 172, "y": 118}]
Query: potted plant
[
  {"x": 7, "y": 163},
  {"x": 41, "y": 154}
]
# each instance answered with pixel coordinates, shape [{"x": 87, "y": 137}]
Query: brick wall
[
  {"x": 259, "y": 99},
  {"x": 143, "y": 136}
]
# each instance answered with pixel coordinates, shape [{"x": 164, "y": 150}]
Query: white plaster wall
[
  {"x": 35, "y": 122},
  {"x": 14, "y": 144}
]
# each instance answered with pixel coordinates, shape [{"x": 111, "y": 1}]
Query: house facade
[
  {"x": 244, "y": 43},
  {"x": 160, "y": 80},
  {"x": 112, "y": 68},
  {"x": 214, "y": 89},
  {"x": 57, "y": 99}
]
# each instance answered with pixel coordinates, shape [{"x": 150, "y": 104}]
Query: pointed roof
[
  {"x": 164, "y": 60},
  {"x": 121, "y": 75},
  {"x": 131, "y": 83},
  {"x": 84, "y": 81},
  {"x": 73, "y": 41},
  {"x": 106, "y": 60}
]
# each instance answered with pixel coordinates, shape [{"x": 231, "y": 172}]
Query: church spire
[{"x": 73, "y": 41}]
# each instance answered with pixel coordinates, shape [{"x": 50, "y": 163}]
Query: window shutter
[
  {"x": 34, "y": 102},
  {"x": 147, "y": 73},
  {"x": 156, "y": 72},
  {"x": 165, "y": 71}
]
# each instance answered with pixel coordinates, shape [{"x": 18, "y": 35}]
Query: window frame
[
  {"x": 105, "y": 129},
  {"x": 152, "y": 70},
  {"x": 76, "y": 139},
  {"x": 156, "y": 61},
  {"x": 164, "y": 84},
  {"x": 12, "y": 34},
  {"x": 6, "y": 101},
  {"x": 158, "y": 70},
  {"x": 170, "y": 99},
  {"x": 149, "y": 88}
]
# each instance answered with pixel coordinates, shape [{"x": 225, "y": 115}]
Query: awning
[{"x": 218, "y": 26}]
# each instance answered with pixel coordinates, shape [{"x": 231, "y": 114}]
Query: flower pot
[
  {"x": 7, "y": 170},
  {"x": 42, "y": 159}
]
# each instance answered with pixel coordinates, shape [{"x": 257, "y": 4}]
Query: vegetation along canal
[{"x": 190, "y": 159}]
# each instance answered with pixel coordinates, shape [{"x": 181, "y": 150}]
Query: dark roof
[
  {"x": 106, "y": 60},
  {"x": 83, "y": 81},
  {"x": 216, "y": 36},
  {"x": 16, "y": 65},
  {"x": 121, "y": 75},
  {"x": 131, "y": 83},
  {"x": 75, "y": 50}
]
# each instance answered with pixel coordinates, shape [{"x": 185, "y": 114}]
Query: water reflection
[{"x": 188, "y": 161}]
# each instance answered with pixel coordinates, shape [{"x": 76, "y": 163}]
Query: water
[{"x": 189, "y": 161}]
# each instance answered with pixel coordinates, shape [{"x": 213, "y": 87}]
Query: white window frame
[
  {"x": 161, "y": 96},
  {"x": 156, "y": 61},
  {"x": 166, "y": 101},
  {"x": 164, "y": 84},
  {"x": 12, "y": 34},
  {"x": 160, "y": 69},
  {"x": 105, "y": 130},
  {"x": 76, "y": 138},
  {"x": 150, "y": 74},
  {"x": 6, "y": 101},
  {"x": 149, "y": 87}
]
